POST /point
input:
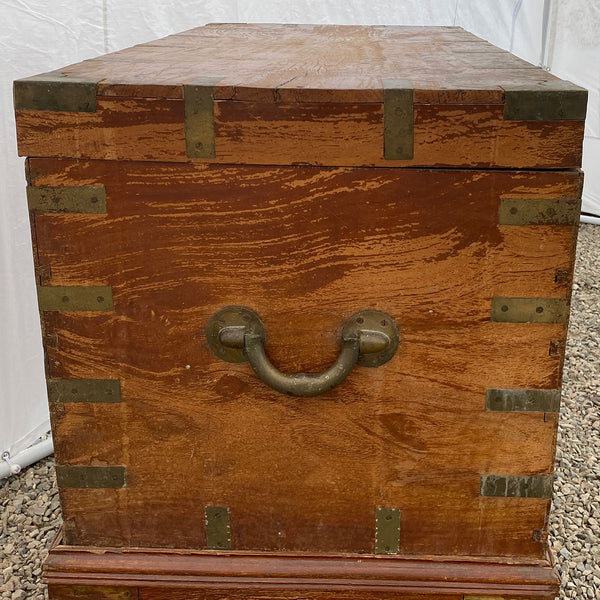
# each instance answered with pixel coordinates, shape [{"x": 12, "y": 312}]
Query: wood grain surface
[
  {"x": 192, "y": 575},
  {"x": 308, "y": 94},
  {"x": 306, "y": 247},
  {"x": 313, "y": 63},
  {"x": 342, "y": 134}
]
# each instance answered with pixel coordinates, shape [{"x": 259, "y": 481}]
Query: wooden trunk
[{"x": 307, "y": 173}]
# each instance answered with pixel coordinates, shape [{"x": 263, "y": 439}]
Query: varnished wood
[
  {"x": 191, "y": 575},
  {"x": 308, "y": 94},
  {"x": 407, "y": 434},
  {"x": 300, "y": 217},
  {"x": 319, "y": 134}
]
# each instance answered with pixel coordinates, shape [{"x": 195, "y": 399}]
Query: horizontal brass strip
[
  {"x": 398, "y": 119},
  {"x": 387, "y": 530},
  {"x": 554, "y": 101},
  {"x": 539, "y": 211},
  {"x": 75, "y": 298},
  {"x": 218, "y": 527},
  {"x": 72, "y": 199},
  {"x": 90, "y": 477},
  {"x": 499, "y": 400},
  {"x": 55, "y": 92},
  {"x": 529, "y": 310},
  {"x": 84, "y": 390},
  {"x": 198, "y": 101},
  {"x": 517, "y": 486}
]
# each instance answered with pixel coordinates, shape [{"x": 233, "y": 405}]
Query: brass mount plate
[
  {"x": 218, "y": 527},
  {"x": 517, "y": 486},
  {"x": 72, "y": 199},
  {"x": 539, "y": 211},
  {"x": 198, "y": 100},
  {"x": 84, "y": 390},
  {"x": 55, "y": 92},
  {"x": 529, "y": 310},
  {"x": 387, "y": 530},
  {"x": 69, "y": 476},
  {"x": 80, "y": 298},
  {"x": 398, "y": 119},
  {"x": 503, "y": 400}
]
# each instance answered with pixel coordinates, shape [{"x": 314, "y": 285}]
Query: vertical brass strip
[
  {"x": 529, "y": 310},
  {"x": 387, "y": 530},
  {"x": 503, "y": 400},
  {"x": 198, "y": 99},
  {"x": 218, "y": 528},
  {"x": 90, "y": 477},
  {"x": 55, "y": 92},
  {"x": 398, "y": 120},
  {"x": 517, "y": 486},
  {"x": 84, "y": 390},
  {"x": 73, "y": 199},
  {"x": 552, "y": 101},
  {"x": 96, "y": 298},
  {"x": 539, "y": 211}
]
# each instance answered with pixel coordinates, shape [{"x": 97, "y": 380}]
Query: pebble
[{"x": 29, "y": 505}]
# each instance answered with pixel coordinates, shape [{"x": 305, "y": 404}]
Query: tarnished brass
[
  {"x": 552, "y": 101},
  {"x": 55, "y": 92},
  {"x": 74, "y": 199},
  {"x": 227, "y": 326},
  {"x": 529, "y": 310},
  {"x": 517, "y": 486},
  {"x": 539, "y": 211},
  {"x": 498, "y": 400},
  {"x": 236, "y": 334},
  {"x": 90, "y": 477},
  {"x": 387, "y": 530},
  {"x": 398, "y": 119},
  {"x": 78, "y": 298},
  {"x": 218, "y": 527},
  {"x": 198, "y": 99},
  {"x": 84, "y": 390}
]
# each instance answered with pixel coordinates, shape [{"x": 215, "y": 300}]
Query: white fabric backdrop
[{"x": 43, "y": 35}]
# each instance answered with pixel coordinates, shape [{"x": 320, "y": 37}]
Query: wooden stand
[{"x": 91, "y": 573}]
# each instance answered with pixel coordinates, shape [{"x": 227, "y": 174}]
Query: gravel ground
[{"x": 30, "y": 514}]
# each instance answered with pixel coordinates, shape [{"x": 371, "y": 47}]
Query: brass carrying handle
[{"x": 236, "y": 334}]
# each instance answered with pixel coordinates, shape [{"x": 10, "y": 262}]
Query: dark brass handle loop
[{"x": 236, "y": 334}]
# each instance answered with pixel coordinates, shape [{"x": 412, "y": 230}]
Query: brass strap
[
  {"x": 72, "y": 199},
  {"x": 84, "y": 390},
  {"x": 387, "y": 530},
  {"x": 218, "y": 528},
  {"x": 398, "y": 119},
  {"x": 79, "y": 298},
  {"x": 517, "y": 486},
  {"x": 69, "y": 476},
  {"x": 55, "y": 92}
]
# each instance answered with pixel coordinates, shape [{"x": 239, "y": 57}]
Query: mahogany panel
[
  {"x": 180, "y": 241},
  {"x": 187, "y": 574},
  {"x": 336, "y": 134}
]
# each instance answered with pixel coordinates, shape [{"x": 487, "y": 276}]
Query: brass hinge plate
[
  {"x": 72, "y": 199},
  {"x": 198, "y": 100},
  {"x": 529, "y": 310},
  {"x": 55, "y": 92},
  {"x": 539, "y": 211},
  {"x": 398, "y": 119},
  {"x": 552, "y": 101},
  {"x": 218, "y": 527},
  {"x": 387, "y": 530},
  {"x": 68, "y": 476},
  {"x": 504, "y": 400},
  {"x": 517, "y": 486},
  {"x": 84, "y": 390},
  {"x": 56, "y": 297}
]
